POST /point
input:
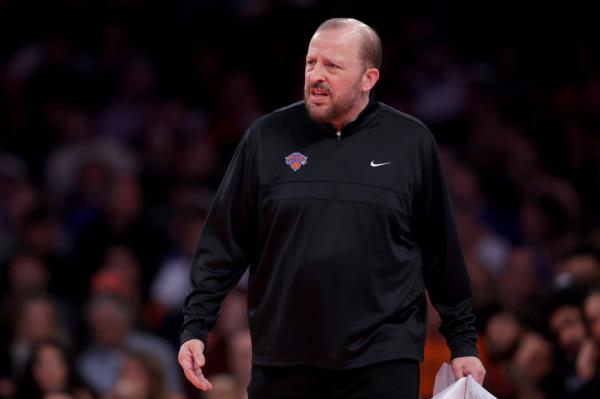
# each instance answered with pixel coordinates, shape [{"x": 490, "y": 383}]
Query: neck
[{"x": 351, "y": 116}]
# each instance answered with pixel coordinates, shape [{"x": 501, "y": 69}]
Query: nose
[{"x": 317, "y": 73}]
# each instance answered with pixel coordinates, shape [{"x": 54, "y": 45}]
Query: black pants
[{"x": 394, "y": 379}]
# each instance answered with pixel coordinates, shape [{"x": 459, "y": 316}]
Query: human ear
[{"x": 370, "y": 77}]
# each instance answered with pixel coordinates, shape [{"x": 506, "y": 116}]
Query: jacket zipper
[{"x": 339, "y": 137}]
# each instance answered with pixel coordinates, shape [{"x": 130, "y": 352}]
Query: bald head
[{"x": 370, "y": 49}]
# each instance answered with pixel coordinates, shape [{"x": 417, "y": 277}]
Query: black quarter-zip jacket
[{"x": 342, "y": 235}]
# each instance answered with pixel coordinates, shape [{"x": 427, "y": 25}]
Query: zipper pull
[{"x": 339, "y": 136}]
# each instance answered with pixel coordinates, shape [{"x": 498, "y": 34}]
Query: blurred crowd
[{"x": 118, "y": 118}]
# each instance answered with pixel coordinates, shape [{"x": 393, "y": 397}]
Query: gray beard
[{"x": 335, "y": 110}]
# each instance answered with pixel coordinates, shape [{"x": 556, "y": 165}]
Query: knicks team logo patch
[{"x": 296, "y": 160}]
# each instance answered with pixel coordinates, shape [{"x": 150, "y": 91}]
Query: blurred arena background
[{"x": 118, "y": 118}]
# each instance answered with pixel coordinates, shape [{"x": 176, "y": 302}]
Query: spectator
[
  {"x": 37, "y": 319},
  {"x": 141, "y": 377},
  {"x": 588, "y": 359},
  {"x": 111, "y": 323},
  {"x": 565, "y": 320},
  {"x": 49, "y": 372}
]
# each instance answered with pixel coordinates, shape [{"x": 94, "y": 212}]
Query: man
[
  {"x": 338, "y": 206},
  {"x": 588, "y": 359},
  {"x": 566, "y": 323},
  {"x": 564, "y": 319}
]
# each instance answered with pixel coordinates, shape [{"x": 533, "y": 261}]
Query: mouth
[{"x": 318, "y": 95}]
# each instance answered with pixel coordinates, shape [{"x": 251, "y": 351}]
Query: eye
[
  {"x": 332, "y": 65},
  {"x": 310, "y": 62}
]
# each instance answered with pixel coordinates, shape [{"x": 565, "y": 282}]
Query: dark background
[{"x": 118, "y": 118}]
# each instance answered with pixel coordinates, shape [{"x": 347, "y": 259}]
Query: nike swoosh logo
[{"x": 373, "y": 164}]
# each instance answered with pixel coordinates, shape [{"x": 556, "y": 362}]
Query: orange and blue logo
[{"x": 296, "y": 160}]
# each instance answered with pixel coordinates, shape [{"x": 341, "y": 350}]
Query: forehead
[{"x": 340, "y": 42}]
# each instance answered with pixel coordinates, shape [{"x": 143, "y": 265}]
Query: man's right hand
[{"x": 191, "y": 359}]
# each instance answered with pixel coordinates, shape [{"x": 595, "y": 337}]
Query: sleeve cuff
[
  {"x": 194, "y": 333},
  {"x": 464, "y": 351}
]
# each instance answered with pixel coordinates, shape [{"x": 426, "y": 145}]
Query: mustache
[{"x": 320, "y": 86}]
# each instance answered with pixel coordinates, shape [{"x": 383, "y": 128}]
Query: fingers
[
  {"x": 478, "y": 374},
  {"x": 191, "y": 359},
  {"x": 476, "y": 371},
  {"x": 458, "y": 371},
  {"x": 462, "y": 367},
  {"x": 197, "y": 352},
  {"x": 197, "y": 378}
]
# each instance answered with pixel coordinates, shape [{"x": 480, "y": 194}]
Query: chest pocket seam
[{"x": 338, "y": 191}]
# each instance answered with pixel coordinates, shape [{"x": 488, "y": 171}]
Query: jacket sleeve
[
  {"x": 227, "y": 244},
  {"x": 444, "y": 269}
]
